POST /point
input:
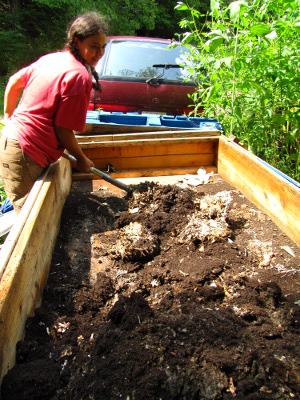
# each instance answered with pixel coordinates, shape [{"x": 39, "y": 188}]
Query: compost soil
[{"x": 175, "y": 291}]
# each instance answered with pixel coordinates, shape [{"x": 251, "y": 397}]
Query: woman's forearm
[
  {"x": 13, "y": 90},
  {"x": 69, "y": 142}
]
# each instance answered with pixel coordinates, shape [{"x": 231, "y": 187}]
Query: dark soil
[{"x": 173, "y": 292}]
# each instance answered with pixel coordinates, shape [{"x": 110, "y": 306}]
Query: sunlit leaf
[
  {"x": 181, "y": 6},
  {"x": 235, "y": 8},
  {"x": 187, "y": 37},
  {"x": 227, "y": 61},
  {"x": 260, "y": 30},
  {"x": 272, "y": 35},
  {"x": 281, "y": 25},
  {"x": 211, "y": 92},
  {"x": 184, "y": 23},
  {"x": 214, "y": 5},
  {"x": 216, "y": 32},
  {"x": 214, "y": 43},
  {"x": 195, "y": 13}
]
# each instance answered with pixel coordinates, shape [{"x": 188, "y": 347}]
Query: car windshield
[{"x": 136, "y": 59}]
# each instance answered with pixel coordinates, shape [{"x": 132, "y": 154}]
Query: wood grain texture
[
  {"x": 154, "y": 154},
  {"x": 264, "y": 187},
  {"x": 107, "y": 129},
  {"x": 137, "y": 135},
  {"x": 26, "y": 257},
  {"x": 126, "y": 175}
]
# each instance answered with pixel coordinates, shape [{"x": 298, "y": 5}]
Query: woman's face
[{"x": 92, "y": 48}]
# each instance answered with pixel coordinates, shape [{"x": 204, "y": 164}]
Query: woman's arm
[
  {"x": 13, "y": 90},
  {"x": 69, "y": 142}
]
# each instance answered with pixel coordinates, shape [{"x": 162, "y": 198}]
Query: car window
[{"x": 135, "y": 59}]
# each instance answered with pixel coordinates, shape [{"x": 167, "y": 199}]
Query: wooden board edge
[
  {"x": 268, "y": 190},
  {"x": 125, "y": 175},
  {"x": 146, "y": 135},
  {"x": 108, "y": 129},
  {"x": 26, "y": 272},
  {"x": 20, "y": 221},
  {"x": 146, "y": 141}
]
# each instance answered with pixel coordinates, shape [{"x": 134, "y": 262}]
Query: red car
[{"x": 139, "y": 74}]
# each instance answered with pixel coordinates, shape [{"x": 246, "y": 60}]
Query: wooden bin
[{"x": 26, "y": 255}]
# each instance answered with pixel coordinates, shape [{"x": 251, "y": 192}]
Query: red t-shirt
[{"x": 57, "y": 91}]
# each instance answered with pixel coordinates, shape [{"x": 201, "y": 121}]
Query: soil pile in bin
[{"x": 177, "y": 291}]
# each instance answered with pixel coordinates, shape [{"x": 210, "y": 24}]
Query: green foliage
[
  {"x": 28, "y": 34},
  {"x": 31, "y": 28},
  {"x": 2, "y": 198},
  {"x": 17, "y": 50},
  {"x": 247, "y": 69},
  {"x": 2, "y": 193},
  {"x": 36, "y": 27},
  {"x": 123, "y": 16},
  {"x": 2, "y": 89}
]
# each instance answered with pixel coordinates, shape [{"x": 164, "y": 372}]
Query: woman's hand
[
  {"x": 84, "y": 164},
  {"x": 69, "y": 142}
]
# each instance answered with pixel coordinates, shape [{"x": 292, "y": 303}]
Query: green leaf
[
  {"x": 187, "y": 37},
  {"x": 184, "y": 23},
  {"x": 214, "y": 43},
  {"x": 195, "y": 13},
  {"x": 214, "y": 5},
  {"x": 272, "y": 35},
  {"x": 238, "y": 113},
  {"x": 211, "y": 92},
  {"x": 235, "y": 8},
  {"x": 257, "y": 86},
  {"x": 227, "y": 61},
  {"x": 216, "y": 32},
  {"x": 260, "y": 30},
  {"x": 181, "y": 6}
]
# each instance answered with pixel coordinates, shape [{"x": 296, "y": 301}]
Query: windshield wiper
[{"x": 165, "y": 68}]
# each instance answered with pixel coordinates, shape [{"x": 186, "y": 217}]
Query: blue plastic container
[{"x": 155, "y": 120}]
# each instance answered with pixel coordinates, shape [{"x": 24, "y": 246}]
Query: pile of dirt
[{"x": 182, "y": 291}]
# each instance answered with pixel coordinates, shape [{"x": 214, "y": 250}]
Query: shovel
[{"x": 102, "y": 174}]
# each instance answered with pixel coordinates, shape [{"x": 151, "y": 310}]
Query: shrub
[{"x": 247, "y": 69}]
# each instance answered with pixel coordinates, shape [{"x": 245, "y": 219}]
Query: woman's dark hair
[{"x": 82, "y": 27}]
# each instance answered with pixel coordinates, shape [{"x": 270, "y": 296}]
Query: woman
[{"x": 56, "y": 91}]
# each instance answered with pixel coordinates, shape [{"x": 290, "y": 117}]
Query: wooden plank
[
  {"x": 148, "y": 135},
  {"x": 156, "y": 162},
  {"x": 150, "y": 149},
  {"x": 268, "y": 190},
  {"x": 18, "y": 226},
  {"x": 26, "y": 257},
  {"x": 94, "y": 139},
  {"x": 102, "y": 129},
  {"x": 145, "y": 142},
  {"x": 180, "y": 134},
  {"x": 126, "y": 175},
  {"x": 152, "y": 157}
]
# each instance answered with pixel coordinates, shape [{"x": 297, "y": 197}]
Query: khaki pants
[{"x": 17, "y": 170}]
